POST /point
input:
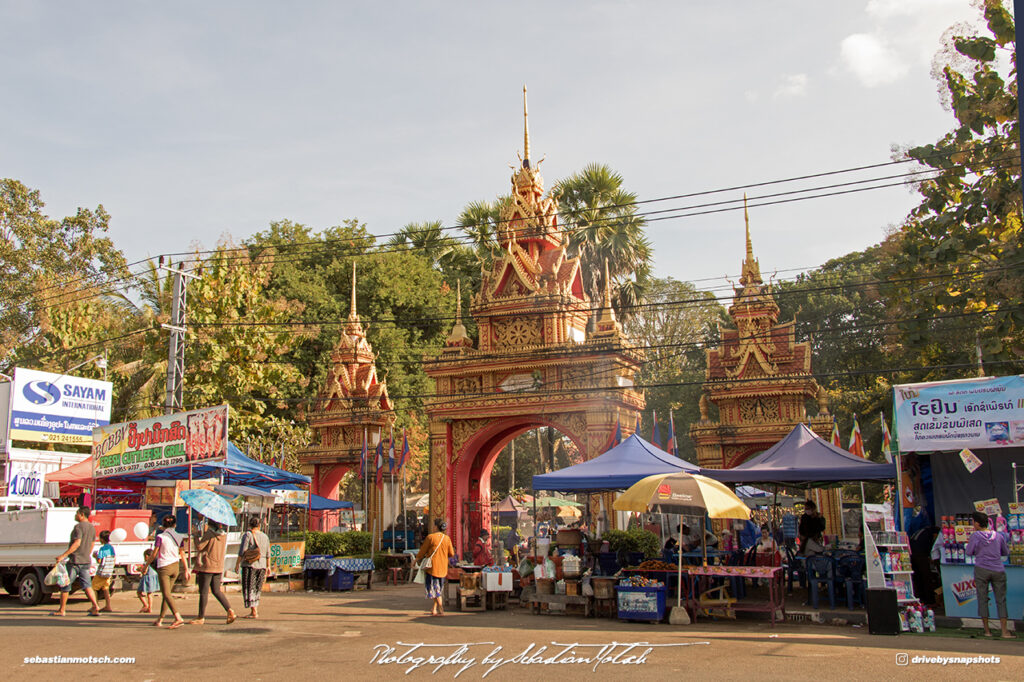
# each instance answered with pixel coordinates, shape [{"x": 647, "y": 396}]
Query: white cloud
[
  {"x": 871, "y": 60},
  {"x": 904, "y": 35},
  {"x": 793, "y": 85}
]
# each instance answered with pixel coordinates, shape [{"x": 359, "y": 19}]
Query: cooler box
[
  {"x": 498, "y": 582},
  {"x": 641, "y": 603},
  {"x": 109, "y": 519}
]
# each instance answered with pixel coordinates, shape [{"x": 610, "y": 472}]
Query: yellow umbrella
[
  {"x": 679, "y": 493},
  {"x": 682, "y": 493}
]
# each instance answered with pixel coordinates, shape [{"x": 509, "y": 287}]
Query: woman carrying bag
[
  {"x": 252, "y": 558},
  {"x": 169, "y": 565},
  {"x": 433, "y": 556},
  {"x": 211, "y": 546}
]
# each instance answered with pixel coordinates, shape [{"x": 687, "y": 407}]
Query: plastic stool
[{"x": 394, "y": 573}]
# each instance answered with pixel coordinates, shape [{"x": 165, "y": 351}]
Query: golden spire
[
  {"x": 459, "y": 338},
  {"x": 458, "y": 302},
  {"x": 746, "y": 220},
  {"x": 607, "y": 325},
  {"x": 352, "y": 306},
  {"x": 526, "y": 133},
  {"x": 607, "y": 288},
  {"x": 354, "y": 327},
  {"x": 750, "y": 272}
]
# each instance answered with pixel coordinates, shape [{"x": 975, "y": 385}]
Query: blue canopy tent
[
  {"x": 317, "y": 503},
  {"x": 616, "y": 469},
  {"x": 804, "y": 459}
]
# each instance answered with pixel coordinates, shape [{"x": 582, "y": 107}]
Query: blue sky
[{"x": 189, "y": 121}]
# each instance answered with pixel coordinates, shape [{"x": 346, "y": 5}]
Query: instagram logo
[{"x": 902, "y": 659}]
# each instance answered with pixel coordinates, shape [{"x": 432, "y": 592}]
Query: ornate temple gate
[
  {"x": 352, "y": 406},
  {"x": 535, "y": 363},
  {"x": 760, "y": 380}
]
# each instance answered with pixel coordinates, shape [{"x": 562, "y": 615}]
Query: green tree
[
  {"x": 47, "y": 263},
  {"x": 602, "y": 224},
  {"x": 966, "y": 234}
]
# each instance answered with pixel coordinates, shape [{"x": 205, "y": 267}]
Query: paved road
[{"x": 313, "y": 635}]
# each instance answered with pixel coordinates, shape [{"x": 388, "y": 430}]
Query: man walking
[{"x": 80, "y": 552}]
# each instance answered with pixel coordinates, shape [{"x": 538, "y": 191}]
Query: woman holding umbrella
[{"x": 211, "y": 546}]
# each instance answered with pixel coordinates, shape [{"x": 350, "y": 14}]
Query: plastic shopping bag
[
  {"x": 421, "y": 577},
  {"x": 58, "y": 576}
]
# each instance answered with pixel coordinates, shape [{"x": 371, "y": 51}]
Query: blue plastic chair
[
  {"x": 821, "y": 571},
  {"x": 794, "y": 569},
  {"x": 850, "y": 575}
]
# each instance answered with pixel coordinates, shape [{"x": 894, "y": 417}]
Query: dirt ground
[{"x": 303, "y": 635}]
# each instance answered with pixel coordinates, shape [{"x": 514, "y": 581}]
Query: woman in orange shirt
[{"x": 438, "y": 548}]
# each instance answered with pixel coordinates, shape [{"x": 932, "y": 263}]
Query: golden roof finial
[
  {"x": 607, "y": 286},
  {"x": 526, "y": 133},
  {"x": 459, "y": 338},
  {"x": 750, "y": 273},
  {"x": 746, "y": 220},
  {"x": 458, "y": 301},
  {"x": 352, "y": 306}
]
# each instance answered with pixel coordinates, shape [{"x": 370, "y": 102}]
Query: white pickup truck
[{"x": 33, "y": 533}]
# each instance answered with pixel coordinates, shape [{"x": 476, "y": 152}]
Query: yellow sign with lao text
[{"x": 194, "y": 437}]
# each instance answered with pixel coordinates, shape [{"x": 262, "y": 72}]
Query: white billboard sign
[{"x": 56, "y": 408}]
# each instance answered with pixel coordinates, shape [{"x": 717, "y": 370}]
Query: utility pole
[
  {"x": 176, "y": 348},
  {"x": 977, "y": 351}
]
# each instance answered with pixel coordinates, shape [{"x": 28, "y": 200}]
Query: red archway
[{"x": 471, "y": 478}]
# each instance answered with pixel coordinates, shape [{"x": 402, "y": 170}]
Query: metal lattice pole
[{"x": 176, "y": 350}]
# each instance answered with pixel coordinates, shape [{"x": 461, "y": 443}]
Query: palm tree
[
  {"x": 602, "y": 226},
  {"x": 479, "y": 221}
]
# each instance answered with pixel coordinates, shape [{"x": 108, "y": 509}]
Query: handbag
[
  {"x": 252, "y": 554},
  {"x": 429, "y": 561}
]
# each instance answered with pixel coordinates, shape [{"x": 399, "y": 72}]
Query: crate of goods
[
  {"x": 604, "y": 588},
  {"x": 497, "y": 581},
  {"x": 545, "y": 586},
  {"x": 469, "y": 581},
  {"x": 641, "y": 603},
  {"x": 572, "y": 588},
  {"x": 571, "y": 566},
  {"x": 340, "y": 580},
  {"x": 569, "y": 538}
]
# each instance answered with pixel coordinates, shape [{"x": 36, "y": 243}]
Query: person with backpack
[{"x": 252, "y": 558}]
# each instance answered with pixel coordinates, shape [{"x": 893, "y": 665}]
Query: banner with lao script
[
  {"x": 194, "y": 437},
  {"x": 286, "y": 557},
  {"x": 987, "y": 412}
]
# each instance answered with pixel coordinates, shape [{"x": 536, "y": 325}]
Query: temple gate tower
[
  {"x": 353, "y": 405},
  {"x": 533, "y": 365},
  {"x": 760, "y": 380}
]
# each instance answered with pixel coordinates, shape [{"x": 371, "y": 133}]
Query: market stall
[{"x": 961, "y": 446}]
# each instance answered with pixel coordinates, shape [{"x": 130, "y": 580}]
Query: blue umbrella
[{"x": 209, "y": 504}]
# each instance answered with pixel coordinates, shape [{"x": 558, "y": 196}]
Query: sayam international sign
[{"x": 56, "y": 408}]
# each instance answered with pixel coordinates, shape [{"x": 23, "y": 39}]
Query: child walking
[
  {"x": 104, "y": 569},
  {"x": 148, "y": 583}
]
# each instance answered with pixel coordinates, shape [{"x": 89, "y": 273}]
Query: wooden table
[
  {"x": 536, "y": 600},
  {"x": 773, "y": 574}
]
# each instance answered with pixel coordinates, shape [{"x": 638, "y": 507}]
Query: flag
[
  {"x": 886, "y": 439},
  {"x": 617, "y": 438},
  {"x": 856, "y": 441},
  {"x": 637, "y": 429},
  {"x": 380, "y": 464},
  {"x": 391, "y": 453},
  {"x": 405, "y": 450},
  {"x": 362, "y": 459},
  {"x": 836, "y": 439},
  {"x": 656, "y": 432},
  {"x": 671, "y": 445}
]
